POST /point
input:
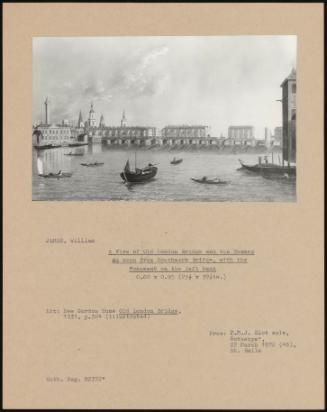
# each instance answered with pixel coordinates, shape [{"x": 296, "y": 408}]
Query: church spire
[
  {"x": 92, "y": 122},
  {"x": 123, "y": 122},
  {"x": 80, "y": 119}
]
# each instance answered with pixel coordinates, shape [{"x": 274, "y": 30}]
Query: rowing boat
[
  {"x": 92, "y": 164},
  {"x": 206, "y": 181},
  {"x": 176, "y": 161},
  {"x": 59, "y": 175},
  {"x": 73, "y": 154}
]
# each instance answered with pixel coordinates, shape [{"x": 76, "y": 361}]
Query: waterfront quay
[
  {"x": 239, "y": 138},
  {"x": 70, "y": 133}
]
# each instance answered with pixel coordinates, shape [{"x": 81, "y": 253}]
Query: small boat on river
[
  {"x": 51, "y": 175},
  {"x": 94, "y": 164},
  {"x": 214, "y": 181},
  {"x": 74, "y": 154},
  {"x": 77, "y": 144},
  {"x": 176, "y": 161},
  {"x": 138, "y": 175},
  {"x": 47, "y": 146},
  {"x": 59, "y": 175}
]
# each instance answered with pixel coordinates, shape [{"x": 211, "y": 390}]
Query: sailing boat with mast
[
  {"x": 269, "y": 168},
  {"x": 138, "y": 175},
  {"x": 58, "y": 175}
]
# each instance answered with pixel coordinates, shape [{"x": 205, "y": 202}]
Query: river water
[{"x": 172, "y": 183}]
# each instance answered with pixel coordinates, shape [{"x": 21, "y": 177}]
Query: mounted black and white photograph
[{"x": 164, "y": 118}]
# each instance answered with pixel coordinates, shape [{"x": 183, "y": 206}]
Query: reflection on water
[
  {"x": 51, "y": 161},
  {"x": 172, "y": 183}
]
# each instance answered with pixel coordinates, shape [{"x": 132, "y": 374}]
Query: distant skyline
[{"x": 217, "y": 81}]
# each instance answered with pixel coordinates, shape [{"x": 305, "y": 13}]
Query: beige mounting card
[{"x": 176, "y": 293}]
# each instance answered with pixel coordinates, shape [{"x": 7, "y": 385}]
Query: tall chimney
[{"x": 47, "y": 118}]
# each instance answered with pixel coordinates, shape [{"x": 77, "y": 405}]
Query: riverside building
[
  {"x": 289, "y": 117},
  {"x": 241, "y": 136}
]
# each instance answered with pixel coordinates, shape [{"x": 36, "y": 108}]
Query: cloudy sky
[{"x": 213, "y": 80}]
